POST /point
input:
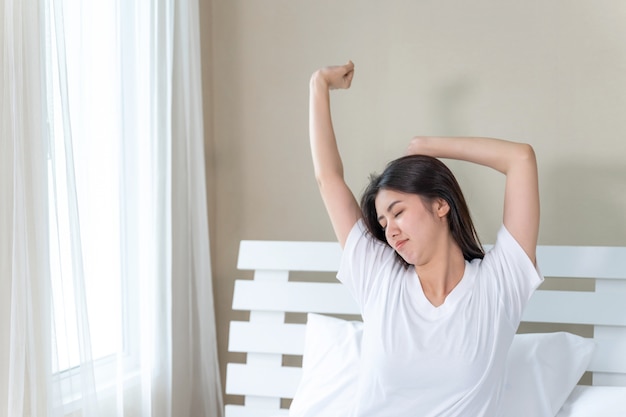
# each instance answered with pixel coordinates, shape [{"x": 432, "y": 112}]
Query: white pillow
[
  {"x": 330, "y": 367},
  {"x": 594, "y": 402},
  {"x": 542, "y": 369}
]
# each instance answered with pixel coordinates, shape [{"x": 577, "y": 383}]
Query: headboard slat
[
  {"x": 582, "y": 261},
  {"x": 296, "y": 297},
  {"x": 263, "y": 381},
  {"x": 576, "y": 307},
  {"x": 289, "y": 256},
  {"x": 610, "y": 353},
  {"x": 285, "y": 339}
]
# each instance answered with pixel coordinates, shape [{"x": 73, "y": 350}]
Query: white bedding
[
  {"x": 542, "y": 371},
  {"x": 585, "y": 401}
]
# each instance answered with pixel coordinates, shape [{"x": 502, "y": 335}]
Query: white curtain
[
  {"x": 111, "y": 313},
  {"x": 23, "y": 217},
  {"x": 196, "y": 370}
]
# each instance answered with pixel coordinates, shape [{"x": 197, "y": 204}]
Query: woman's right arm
[
  {"x": 515, "y": 160},
  {"x": 340, "y": 203}
]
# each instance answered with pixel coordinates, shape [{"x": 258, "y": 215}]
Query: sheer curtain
[
  {"x": 111, "y": 313},
  {"x": 23, "y": 218}
]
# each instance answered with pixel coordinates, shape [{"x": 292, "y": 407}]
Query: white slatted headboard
[{"x": 263, "y": 380}]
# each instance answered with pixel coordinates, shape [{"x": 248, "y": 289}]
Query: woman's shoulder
[
  {"x": 364, "y": 257},
  {"x": 508, "y": 261},
  {"x": 361, "y": 242},
  {"x": 506, "y": 244}
]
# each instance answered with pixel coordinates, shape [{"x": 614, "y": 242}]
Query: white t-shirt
[{"x": 421, "y": 360}]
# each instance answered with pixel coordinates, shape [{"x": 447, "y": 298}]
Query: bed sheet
[
  {"x": 589, "y": 401},
  {"x": 595, "y": 401}
]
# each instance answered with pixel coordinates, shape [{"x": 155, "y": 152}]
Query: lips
[{"x": 400, "y": 244}]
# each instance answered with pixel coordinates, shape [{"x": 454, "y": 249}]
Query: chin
[{"x": 408, "y": 260}]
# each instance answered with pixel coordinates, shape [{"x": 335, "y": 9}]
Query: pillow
[
  {"x": 330, "y": 367},
  {"x": 595, "y": 401},
  {"x": 542, "y": 370}
]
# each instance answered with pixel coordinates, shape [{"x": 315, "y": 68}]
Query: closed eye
[{"x": 389, "y": 210}]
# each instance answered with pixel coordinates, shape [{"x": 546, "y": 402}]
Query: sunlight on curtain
[
  {"x": 84, "y": 206},
  {"x": 109, "y": 138}
]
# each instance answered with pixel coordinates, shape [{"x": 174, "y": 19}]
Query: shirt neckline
[{"x": 423, "y": 305}]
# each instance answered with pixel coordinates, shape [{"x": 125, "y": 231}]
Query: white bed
[{"x": 267, "y": 380}]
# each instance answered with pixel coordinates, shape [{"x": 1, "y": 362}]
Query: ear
[{"x": 441, "y": 208}]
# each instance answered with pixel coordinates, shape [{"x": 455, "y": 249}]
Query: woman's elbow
[{"x": 525, "y": 153}]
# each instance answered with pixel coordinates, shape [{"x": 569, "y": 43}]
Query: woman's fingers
[{"x": 339, "y": 76}]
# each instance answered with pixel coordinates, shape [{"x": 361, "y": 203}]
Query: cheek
[
  {"x": 408, "y": 223},
  {"x": 417, "y": 227}
]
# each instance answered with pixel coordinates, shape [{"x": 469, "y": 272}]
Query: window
[{"x": 85, "y": 184}]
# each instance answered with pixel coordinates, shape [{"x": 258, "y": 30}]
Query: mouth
[{"x": 400, "y": 244}]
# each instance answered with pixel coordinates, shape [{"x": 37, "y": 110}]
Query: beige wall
[{"x": 549, "y": 73}]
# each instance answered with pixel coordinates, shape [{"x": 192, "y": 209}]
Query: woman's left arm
[{"x": 515, "y": 160}]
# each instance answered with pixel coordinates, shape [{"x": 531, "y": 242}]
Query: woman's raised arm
[
  {"x": 515, "y": 160},
  {"x": 340, "y": 203}
]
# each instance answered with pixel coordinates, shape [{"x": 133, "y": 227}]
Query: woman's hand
[
  {"x": 417, "y": 146},
  {"x": 334, "y": 77}
]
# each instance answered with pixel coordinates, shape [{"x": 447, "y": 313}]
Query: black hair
[{"x": 430, "y": 179}]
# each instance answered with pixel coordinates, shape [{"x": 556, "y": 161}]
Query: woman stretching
[{"x": 439, "y": 314}]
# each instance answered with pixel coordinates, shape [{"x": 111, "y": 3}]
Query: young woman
[{"x": 439, "y": 314}]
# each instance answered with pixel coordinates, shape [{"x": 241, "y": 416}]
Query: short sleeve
[
  {"x": 362, "y": 262},
  {"x": 515, "y": 275}
]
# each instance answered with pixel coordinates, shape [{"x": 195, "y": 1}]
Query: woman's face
[{"x": 412, "y": 227}]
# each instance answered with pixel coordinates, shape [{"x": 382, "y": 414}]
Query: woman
[{"x": 439, "y": 314}]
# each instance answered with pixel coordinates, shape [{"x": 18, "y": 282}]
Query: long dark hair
[{"x": 430, "y": 179}]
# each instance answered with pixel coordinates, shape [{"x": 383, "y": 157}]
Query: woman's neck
[{"x": 443, "y": 273}]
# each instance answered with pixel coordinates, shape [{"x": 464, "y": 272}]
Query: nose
[{"x": 391, "y": 230}]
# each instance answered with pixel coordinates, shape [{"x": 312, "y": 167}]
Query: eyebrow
[{"x": 388, "y": 209}]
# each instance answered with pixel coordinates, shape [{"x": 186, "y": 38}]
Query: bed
[{"x": 293, "y": 284}]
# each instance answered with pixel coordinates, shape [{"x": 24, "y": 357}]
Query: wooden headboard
[{"x": 264, "y": 380}]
